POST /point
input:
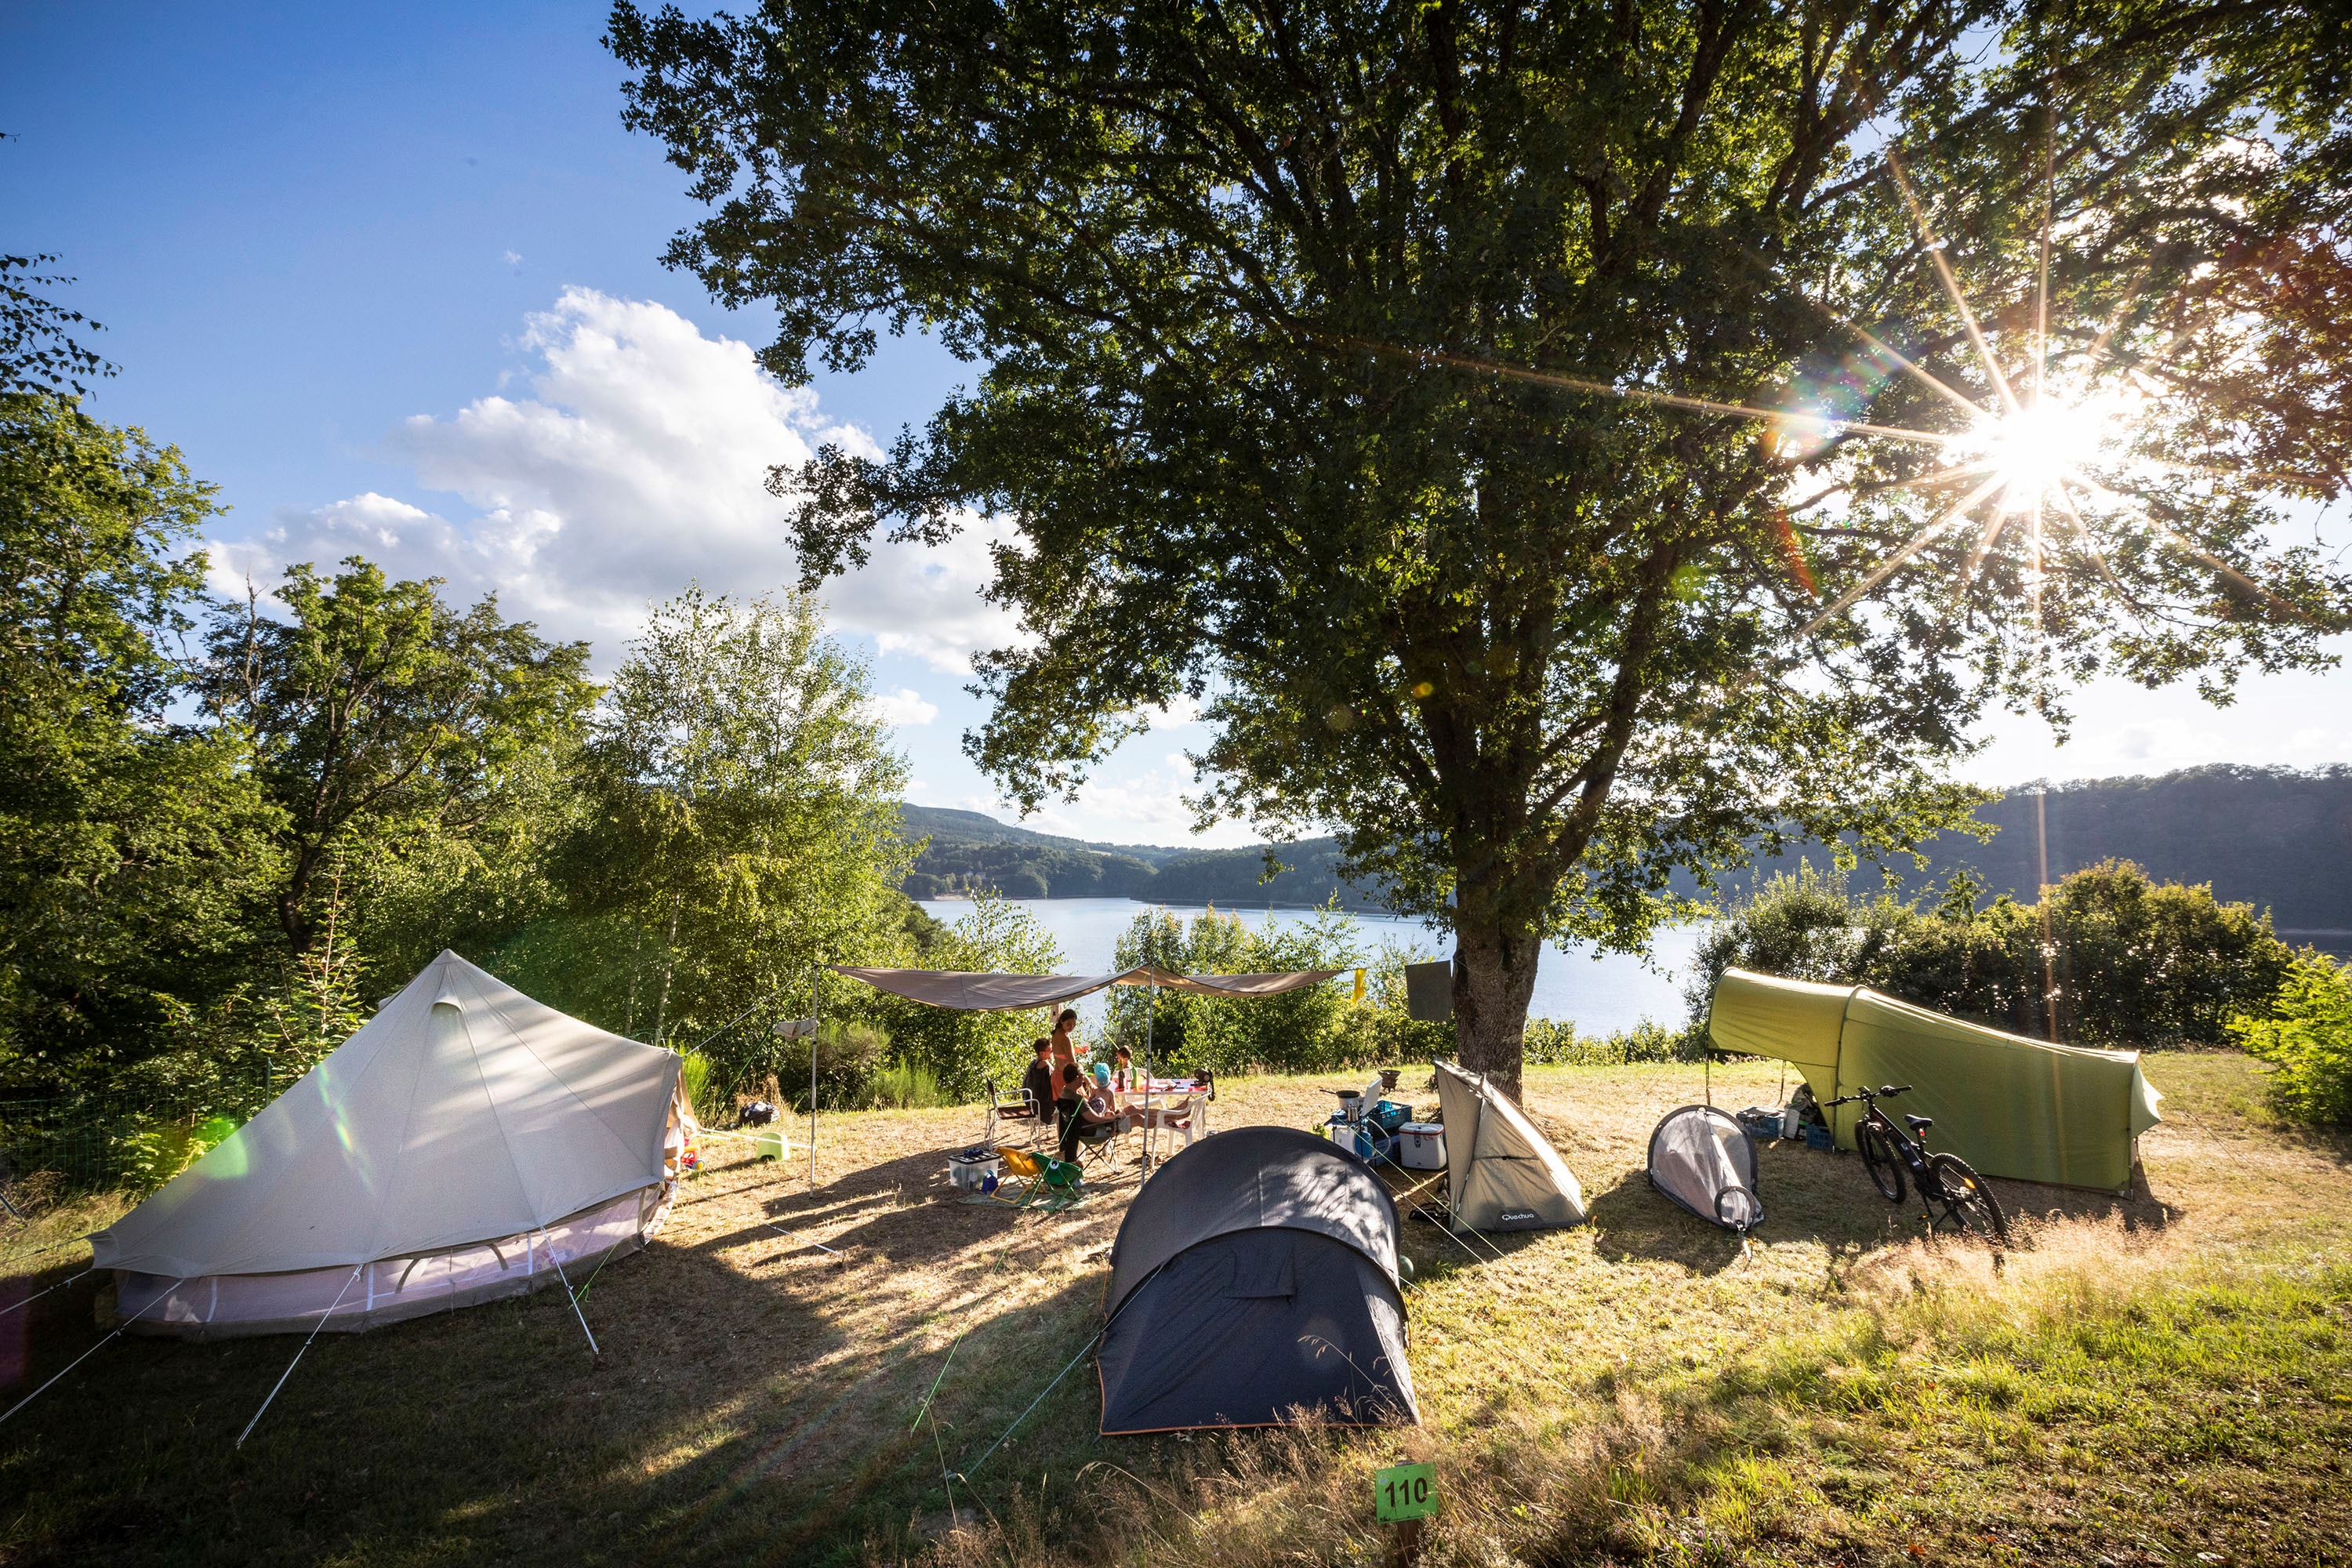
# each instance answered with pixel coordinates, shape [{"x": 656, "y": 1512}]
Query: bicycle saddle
[{"x": 1920, "y": 1123}]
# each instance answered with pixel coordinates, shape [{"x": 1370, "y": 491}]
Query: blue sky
[{"x": 391, "y": 278}]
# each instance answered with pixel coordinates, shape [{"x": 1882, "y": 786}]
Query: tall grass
[
  {"x": 903, "y": 1085},
  {"x": 694, "y": 1077}
]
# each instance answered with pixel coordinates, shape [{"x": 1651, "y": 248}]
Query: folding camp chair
[
  {"x": 1095, "y": 1141},
  {"x": 1023, "y": 1108},
  {"x": 1036, "y": 1181}
]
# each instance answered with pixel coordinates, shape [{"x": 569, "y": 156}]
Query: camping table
[{"x": 1176, "y": 1103}]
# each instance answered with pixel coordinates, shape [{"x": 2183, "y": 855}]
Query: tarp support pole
[
  {"x": 815, "y": 970},
  {"x": 1150, "y": 1009},
  {"x": 290, "y": 1365}
]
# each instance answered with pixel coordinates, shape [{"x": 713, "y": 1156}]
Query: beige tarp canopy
[
  {"x": 460, "y": 1144},
  {"x": 971, "y": 993},
  {"x": 1501, "y": 1172},
  {"x": 2008, "y": 1105}
]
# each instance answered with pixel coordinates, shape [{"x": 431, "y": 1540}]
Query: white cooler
[
  {"x": 967, "y": 1169},
  {"x": 1421, "y": 1146}
]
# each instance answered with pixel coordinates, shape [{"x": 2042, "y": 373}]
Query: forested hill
[
  {"x": 2277, "y": 838},
  {"x": 2274, "y": 837},
  {"x": 968, "y": 850}
]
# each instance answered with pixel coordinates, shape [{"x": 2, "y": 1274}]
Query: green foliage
[
  {"x": 694, "y": 1078},
  {"x": 2306, "y": 1038},
  {"x": 1298, "y": 330},
  {"x": 133, "y": 850},
  {"x": 1552, "y": 1044},
  {"x": 962, "y": 1049},
  {"x": 742, "y": 822},
  {"x": 903, "y": 1086},
  {"x": 848, "y": 1054},
  {"x": 39, "y": 355},
  {"x": 1290, "y": 1032},
  {"x": 378, "y": 714},
  {"x": 2129, "y": 963}
]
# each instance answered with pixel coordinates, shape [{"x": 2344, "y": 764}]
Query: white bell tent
[{"x": 465, "y": 1143}]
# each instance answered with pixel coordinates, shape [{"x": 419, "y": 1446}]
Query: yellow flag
[{"x": 1359, "y": 987}]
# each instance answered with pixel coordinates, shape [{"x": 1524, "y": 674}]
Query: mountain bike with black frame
[{"x": 1943, "y": 1180}]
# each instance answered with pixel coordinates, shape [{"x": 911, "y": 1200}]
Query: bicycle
[{"x": 1946, "y": 1179}]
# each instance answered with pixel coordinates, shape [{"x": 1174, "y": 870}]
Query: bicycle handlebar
[{"x": 1885, "y": 1091}]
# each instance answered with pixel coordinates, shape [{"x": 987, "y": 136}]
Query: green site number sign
[{"x": 1405, "y": 1491}]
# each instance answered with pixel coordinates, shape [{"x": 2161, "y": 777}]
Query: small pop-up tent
[
  {"x": 1705, "y": 1161},
  {"x": 1500, "y": 1172},
  {"x": 2010, "y": 1105},
  {"x": 466, "y": 1142},
  {"x": 1255, "y": 1277}
]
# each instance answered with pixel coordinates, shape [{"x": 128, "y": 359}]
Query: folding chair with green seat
[{"x": 1036, "y": 1181}]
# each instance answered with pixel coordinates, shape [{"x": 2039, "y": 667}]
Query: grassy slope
[{"x": 2152, "y": 1378}]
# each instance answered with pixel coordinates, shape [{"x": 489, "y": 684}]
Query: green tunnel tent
[{"x": 2010, "y": 1105}]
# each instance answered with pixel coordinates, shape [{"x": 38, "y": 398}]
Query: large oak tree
[{"x": 1317, "y": 344}]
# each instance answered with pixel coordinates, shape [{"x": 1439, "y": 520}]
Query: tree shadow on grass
[
  {"x": 904, "y": 1210},
  {"x": 479, "y": 1434}
]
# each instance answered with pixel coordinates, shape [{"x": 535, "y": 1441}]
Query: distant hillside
[
  {"x": 2273, "y": 837},
  {"x": 2277, "y": 838},
  {"x": 969, "y": 851}
]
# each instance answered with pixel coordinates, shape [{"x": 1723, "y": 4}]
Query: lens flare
[{"x": 2035, "y": 452}]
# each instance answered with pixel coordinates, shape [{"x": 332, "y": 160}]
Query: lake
[{"x": 1599, "y": 994}]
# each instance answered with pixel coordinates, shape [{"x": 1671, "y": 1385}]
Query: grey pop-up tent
[
  {"x": 1705, "y": 1161},
  {"x": 1500, "y": 1172},
  {"x": 1255, "y": 1276},
  {"x": 465, "y": 1143}
]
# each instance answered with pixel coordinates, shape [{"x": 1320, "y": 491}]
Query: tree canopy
[
  {"x": 133, "y": 850},
  {"x": 374, "y": 705},
  {"x": 1478, "y": 406}
]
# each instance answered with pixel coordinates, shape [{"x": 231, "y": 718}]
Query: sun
[{"x": 2035, "y": 452}]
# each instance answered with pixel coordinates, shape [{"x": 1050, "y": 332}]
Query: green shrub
[
  {"x": 1299, "y": 1031},
  {"x": 1549, "y": 1043},
  {"x": 694, "y": 1077},
  {"x": 960, "y": 1049},
  {"x": 849, "y": 1053},
  {"x": 903, "y": 1086},
  {"x": 2306, "y": 1037},
  {"x": 2131, "y": 964}
]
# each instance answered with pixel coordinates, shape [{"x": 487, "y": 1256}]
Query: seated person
[
  {"x": 1122, "y": 1078},
  {"x": 1037, "y": 1083},
  {"x": 1076, "y": 1109}
]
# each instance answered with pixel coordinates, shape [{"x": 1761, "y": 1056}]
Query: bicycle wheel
[
  {"x": 1879, "y": 1157},
  {"x": 1968, "y": 1197}
]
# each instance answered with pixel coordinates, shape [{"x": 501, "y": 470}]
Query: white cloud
[
  {"x": 904, "y": 706},
  {"x": 636, "y": 462},
  {"x": 1146, "y": 808}
]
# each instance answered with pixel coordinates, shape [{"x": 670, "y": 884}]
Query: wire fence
[{"x": 84, "y": 1144}]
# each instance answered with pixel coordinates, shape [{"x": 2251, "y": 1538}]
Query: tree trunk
[{"x": 1494, "y": 979}]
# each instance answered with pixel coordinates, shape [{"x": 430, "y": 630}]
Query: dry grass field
[{"x": 2155, "y": 1379}]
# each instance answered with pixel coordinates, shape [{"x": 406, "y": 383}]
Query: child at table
[{"x": 1076, "y": 1109}]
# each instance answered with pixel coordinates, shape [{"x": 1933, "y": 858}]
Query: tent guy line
[
  {"x": 38, "y": 1294},
  {"x": 290, "y": 1365},
  {"x": 85, "y": 1355}
]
